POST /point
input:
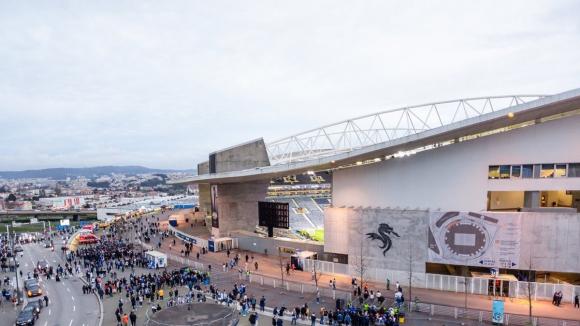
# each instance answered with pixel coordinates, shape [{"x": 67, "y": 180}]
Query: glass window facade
[
  {"x": 493, "y": 172},
  {"x": 527, "y": 171},
  {"x": 516, "y": 171},
  {"x": 504, "y": 171},
  {"x": 534, "y": 171},
  {"x": 574, "y": 170}
]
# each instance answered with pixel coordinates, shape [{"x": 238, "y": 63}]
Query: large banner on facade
[
  {"x": 215, "y": 220},
  {"x": 475, "y": 239}
]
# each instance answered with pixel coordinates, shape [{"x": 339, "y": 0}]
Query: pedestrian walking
[{"x": 133, "y": 318}]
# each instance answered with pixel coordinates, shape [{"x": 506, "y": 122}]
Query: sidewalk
[{"x": 269, "y": 267}]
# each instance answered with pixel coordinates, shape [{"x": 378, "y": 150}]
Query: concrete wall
[
  {"x": 242, "y": 157},
  {"x": 255, "y": 243},
  {"x": 454, "y": 177},
  {"x": 549, "y": 241},
  {"x": 357, "y": 225},
  {"x": 238, "y": 205},
  {"x": 203, "y": 168},
  {"x": 205, "y": 198}
]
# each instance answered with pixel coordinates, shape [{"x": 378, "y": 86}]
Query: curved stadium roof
[
  {"x": 388, "y": 132},
  {"x": 372, "y": 129}
]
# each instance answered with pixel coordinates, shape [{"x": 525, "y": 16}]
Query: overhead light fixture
[
  {"x": 510, "y": 115},
  {"x": 359, "y": 163},
  {"x": 332, "y": 162},
  {"x": 378, "y": 159}
]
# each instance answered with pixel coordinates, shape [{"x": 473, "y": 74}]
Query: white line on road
[
  {"x": 73, "y": 298},
  {"x": 45, "y": 323},
  {"x": 67, "y": 289},
  {"x": 49, "y": 311},
  {"x": 70, "y": 322},
  {"x": 74, "y": 308}
]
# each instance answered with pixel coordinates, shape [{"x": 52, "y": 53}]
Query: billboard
[
  {"x": 272, "y": 214},
  {"x": 474, "y": 239},
  {"x": 215, "y": 222}
]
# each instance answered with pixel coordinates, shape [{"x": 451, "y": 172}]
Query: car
[
  {"x": 42, "y": 264},
  {"x": 37, "y": 210},
  {"x": 36, "y": 304},
  {"x": 18, "y": 248},
  {"x": 30, "y": 282},
  {"x": 47, "y": 244},
  {"x": 27, "y": 317},
  {"x": 34, "y": 290}
]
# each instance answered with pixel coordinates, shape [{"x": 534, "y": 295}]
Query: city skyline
[{"x": 94, "y": 84}]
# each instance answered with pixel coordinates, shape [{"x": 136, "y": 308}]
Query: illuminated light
[
  {"x": 413, "y": 152},
  {"x": 510, "y": 115},
  {"x": 332, "y": 162},
  {"x": 359, "y": 163},
  {"x": 378, "y": 159},
  {"x": 400, "y": 154}
]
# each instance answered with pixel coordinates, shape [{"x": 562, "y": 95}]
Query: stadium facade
[{"x": 487, "y": 182}]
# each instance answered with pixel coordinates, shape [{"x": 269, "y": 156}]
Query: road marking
[
  {"x": 49, "y": 311},
  {"x": 70, "y": 322},
  {"x": 67, "y": 289},
  {"x": 45, "y": 323},
  {"x": 73, "y": 298},
  {"x": 74, "y": 308}
]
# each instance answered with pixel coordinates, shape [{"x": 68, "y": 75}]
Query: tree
[
  {"x": 466, "y": 281},
  {"x": 528, "y": 287},
  {"x": 11, "y": 197},
  {"x": 361, "y": 261},
  {"x": 411, "y": 256},
  {"x": 317, "y": 273}
]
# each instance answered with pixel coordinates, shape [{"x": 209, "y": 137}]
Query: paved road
[{"x": 67, "y": 306}]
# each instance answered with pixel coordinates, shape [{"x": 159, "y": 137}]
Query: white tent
[{"x": 156, "y": 258}]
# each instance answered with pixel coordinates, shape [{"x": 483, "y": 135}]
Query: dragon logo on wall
[{"x": 383, "y": 235}]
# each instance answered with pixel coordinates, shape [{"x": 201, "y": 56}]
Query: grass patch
[{"x": 316, "y": 235}]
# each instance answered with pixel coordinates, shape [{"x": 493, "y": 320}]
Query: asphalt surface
[{"x": 68, "y": 305}]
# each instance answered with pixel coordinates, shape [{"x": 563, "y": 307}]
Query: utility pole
[{"x": 280, "y": 261}]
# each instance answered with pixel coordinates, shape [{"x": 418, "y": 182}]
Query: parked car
[{"x": 27, "y": 317}]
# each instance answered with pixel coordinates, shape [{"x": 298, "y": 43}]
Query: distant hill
[{"x": 63, "y": 173}]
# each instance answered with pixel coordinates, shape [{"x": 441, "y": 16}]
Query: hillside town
[{"x": 86, "y": 192}]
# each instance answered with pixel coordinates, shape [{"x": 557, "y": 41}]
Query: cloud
[{"x": 163, "y": 85}]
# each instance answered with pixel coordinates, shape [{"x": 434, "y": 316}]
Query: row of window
[{"x": 534, "y": 171}]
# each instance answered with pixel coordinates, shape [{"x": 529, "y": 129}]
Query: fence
[
  {"x": 480, "y": 316},
  {"x": 475, "y": 285}
]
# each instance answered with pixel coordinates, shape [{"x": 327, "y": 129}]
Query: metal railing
[
  {"x": 482, "y": 316},
  {"x": 475, "y": 285}
]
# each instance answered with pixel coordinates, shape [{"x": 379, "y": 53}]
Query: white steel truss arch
[{"x": 376, "y": 128}]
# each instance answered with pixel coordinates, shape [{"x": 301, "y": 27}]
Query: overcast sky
[{"x": 162, "y": 84}]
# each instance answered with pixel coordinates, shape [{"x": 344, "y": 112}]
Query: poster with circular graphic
[{"x": 474, "y": 239}]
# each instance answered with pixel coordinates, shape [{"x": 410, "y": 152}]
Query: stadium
[{"x": 475, "y": 185}]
